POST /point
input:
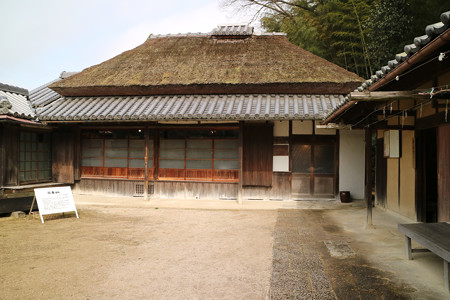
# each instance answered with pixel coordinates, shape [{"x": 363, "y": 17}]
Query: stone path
[{"x": 313, "y": 259}]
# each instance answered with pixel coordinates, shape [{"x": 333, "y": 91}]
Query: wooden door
[
  {"x": 314, "y": 165},
  {"x": 257, "y": 160}
]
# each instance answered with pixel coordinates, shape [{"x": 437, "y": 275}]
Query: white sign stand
[{"x": 54, "y": 200}]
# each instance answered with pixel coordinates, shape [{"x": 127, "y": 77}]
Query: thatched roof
[{"x": 197, "y": 64}]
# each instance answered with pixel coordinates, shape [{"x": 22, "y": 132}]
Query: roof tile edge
[{"x": 13, "y": 89}]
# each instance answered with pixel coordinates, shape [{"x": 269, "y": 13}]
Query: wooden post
[
  {"x": 408, "y": 248},
  {"x": 241, "y": 140},
  {"x": 446, "y": 276},
  {"x": 368, "y": 173},
  {"x": 31, "y": 208},
  {"x": 146, "y": 166}
]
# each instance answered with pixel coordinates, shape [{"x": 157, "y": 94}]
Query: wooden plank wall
[
  {"x": 444, "y": 173},
  {"x": 105, "y": 187},
  {"x": 161, "y": 189},
  {"x": 63, "y": 149},
  {"x": 195, "y": 190},
  {"x": 280, "y": 189}
]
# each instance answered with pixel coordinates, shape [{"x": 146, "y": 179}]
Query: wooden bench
[{"x": 435, "y": 237}]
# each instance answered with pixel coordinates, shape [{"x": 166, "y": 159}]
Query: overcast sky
[{"x": 42, "y": 38}]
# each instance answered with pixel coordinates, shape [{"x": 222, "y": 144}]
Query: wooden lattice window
[
  {"x": 210, "y": 154},
  {"x": 115, "y": 154},
  {"x": 35, "y": 160}
]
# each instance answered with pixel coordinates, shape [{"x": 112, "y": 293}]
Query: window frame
[
  {"x": 103, "y": 171},
  {"x": 199, "y": 174},
  {"x": 38, "y": 156},
  {"x": 156, "y": 155}
]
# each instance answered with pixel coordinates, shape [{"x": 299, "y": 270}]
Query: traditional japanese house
[
  {"x": 224, "y": 115},
  {"x": 25, "y": 150},
  {"x": 405, "y": 105}
]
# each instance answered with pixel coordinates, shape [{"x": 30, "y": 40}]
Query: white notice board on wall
[{"x": 55, "y": 200}]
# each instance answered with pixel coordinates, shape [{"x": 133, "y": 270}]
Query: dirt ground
[
  {"x": 132, "y": 249},
  {"x": 135, "y": 253}
]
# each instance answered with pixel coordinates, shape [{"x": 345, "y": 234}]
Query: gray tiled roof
[
  {"x": 190, "y": 107},
  {"x": 14, "y": 102},
  {"x": 43, "y": 95}
]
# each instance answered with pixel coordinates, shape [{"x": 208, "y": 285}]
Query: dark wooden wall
[
  {"x": 444, "y": 173},
  {"x": 2, "y": 156},
  {"x": 426, "y": 175},
  {"x": 11, "y": 149},
  {"x": 380, "y": 175},
  {"x": 257, "y": 155},
  {"x": 8, "y": 205}
]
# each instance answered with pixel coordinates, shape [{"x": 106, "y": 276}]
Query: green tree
[
  {"x": 340, "y": 25},
  {"x": 299, "y": 27},
  {"x": 329, "y": 28},
  {"x": 423, "y": 13},
  {"x": 388, "y": 23},
  {"x": 392, "y": 24},
  {"x": 359, "y": 35}
]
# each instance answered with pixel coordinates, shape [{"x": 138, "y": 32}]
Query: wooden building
[
  {"x": 405, "y": 105},
  {"x": 25, "y": 150},
  {"x": 224, "y": 115}
]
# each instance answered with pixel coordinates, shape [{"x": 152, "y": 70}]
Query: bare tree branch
[
  {"x": 298, "y": 5},
  {"x": 281, "y": 7}
]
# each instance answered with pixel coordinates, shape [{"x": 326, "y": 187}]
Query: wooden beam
[
  {"x": 389, "y": 113},
  {"x": 386, "y": 96},
  {"x": 334, "y": 126}
]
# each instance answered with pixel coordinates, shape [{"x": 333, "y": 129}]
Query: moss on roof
[{"x": 204, "y": 60}]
